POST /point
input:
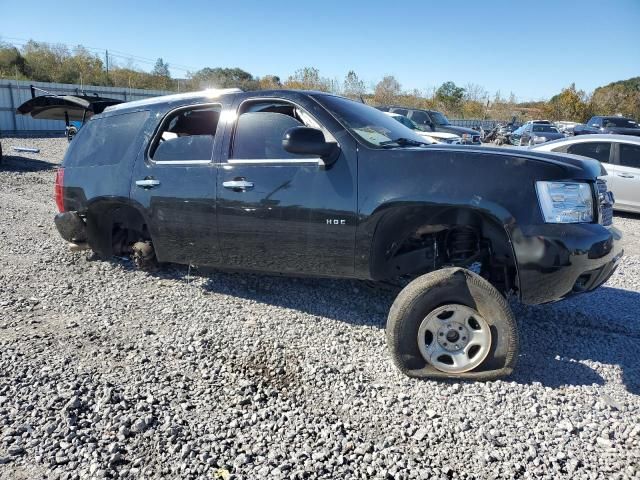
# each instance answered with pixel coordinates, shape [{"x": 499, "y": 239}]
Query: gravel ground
[{"x": 109, "y": 372}]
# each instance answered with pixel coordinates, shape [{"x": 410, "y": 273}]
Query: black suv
[
  {"x": 432, "y": 121},
  {"x": 617, "y": 125},
  {"x": 308, "y": 183}
]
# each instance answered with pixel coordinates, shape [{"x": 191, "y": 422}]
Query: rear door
[
  {"x": 174, "y": 183},
  {"x": 626, "y": 177},
  {"x": 279, "y": 211}
]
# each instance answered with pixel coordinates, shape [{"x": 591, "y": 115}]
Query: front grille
[{"x": 605, "y": 199}]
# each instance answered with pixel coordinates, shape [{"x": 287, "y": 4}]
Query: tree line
[{"x": 43, "y": 62}]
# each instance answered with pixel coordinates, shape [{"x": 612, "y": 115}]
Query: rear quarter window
[{"x": 105, "y": 141}]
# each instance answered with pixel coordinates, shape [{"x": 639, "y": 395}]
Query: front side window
[
  {"x": 187, "y": 135},
  {"x": 596, "y": 150},
  {"x": 439, "y": 118},
  {"x": 630, "y": 155},
  {"x": 261, "y": 126}
]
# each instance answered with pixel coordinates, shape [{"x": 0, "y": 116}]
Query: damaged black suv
[{"x": 308, "y": 183}]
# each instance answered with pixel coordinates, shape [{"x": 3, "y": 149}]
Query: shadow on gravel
[
  {"x": 602, "y": 327},
  {"x": 17, "y": 163}
]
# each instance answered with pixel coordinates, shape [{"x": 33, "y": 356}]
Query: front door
[
  {"x": 174, "y": 183},
  {"x": 279, "y": 211}
]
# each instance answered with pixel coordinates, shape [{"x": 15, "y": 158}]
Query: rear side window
[
  {"x": 630, "y": 155},
  {"x": 420, "y": 118},
  {"x": 597, "y": 150},
  {"x": 105, "y": 141},
  {"x": 187, "y": 135}
]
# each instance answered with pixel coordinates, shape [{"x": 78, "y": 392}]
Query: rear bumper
[
  {"x": 557, "y": 261},
  {"x": 71, "y": 227}
]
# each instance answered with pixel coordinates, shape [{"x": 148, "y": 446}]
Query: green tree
[
  {"x": 161, "y": 69},
  {"x": 569, "y": 104},
  {"x": 450, "y": 96},
  {"x": 270, "y": 82},
  {"x": 353, "y": 87},
  {"x": 308, "y": 78},
  {"x": 224, "y": 78},
  {"x": 387, "y": 91},
  {"x": 12, "y": 63}
]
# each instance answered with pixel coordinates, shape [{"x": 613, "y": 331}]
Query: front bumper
[{"x": 557, "y": 261}]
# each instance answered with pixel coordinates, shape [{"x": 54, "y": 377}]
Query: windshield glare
[
  {"x": 368, "y": 124},
  {"x": 439, "y": 118}
]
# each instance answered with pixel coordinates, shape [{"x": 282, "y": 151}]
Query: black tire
[
  {"x": 144, "y": 256},
  {"x": 0, "y": 154},
  {"x": 451, "y": 286}
]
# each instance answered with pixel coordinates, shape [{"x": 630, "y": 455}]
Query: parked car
[
  {"x": 539, "y": 122},
  {"x": 621, "y": 156},
  {"x": 442, "y": 137},
  {"x": 432, "y": 121},
  {"x": 617, "y": 125},
  {"x": 309, "y": 183},
  {"x": 566, "y": 127},
  {"x": 535, "y": 133}
]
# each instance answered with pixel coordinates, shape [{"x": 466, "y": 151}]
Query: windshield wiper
[{"x": 403, "y": 142}]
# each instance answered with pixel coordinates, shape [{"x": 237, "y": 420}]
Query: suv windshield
[
  {"x": 618, "y": 122},
  {"x": 367, "y": 123},
  {"x": 439, "y": 118}
]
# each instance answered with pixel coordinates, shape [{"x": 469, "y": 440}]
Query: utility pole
[{"x": 106, "y": 58}]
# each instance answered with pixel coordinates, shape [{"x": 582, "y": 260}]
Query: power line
[{"x": 21, "y": 42}]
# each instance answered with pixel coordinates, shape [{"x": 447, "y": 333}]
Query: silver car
[{"x": 620, "y": 155}]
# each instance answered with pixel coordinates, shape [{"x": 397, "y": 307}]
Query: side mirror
[{"x": 310, "y": 141}]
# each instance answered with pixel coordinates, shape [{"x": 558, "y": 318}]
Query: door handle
[
  {"x": 625, "y": 175},
  {"x": 239, "y": 184},
  {"x": 148, "y": 183}
]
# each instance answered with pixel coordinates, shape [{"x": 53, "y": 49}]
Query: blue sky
[{"x": 532, "y": 49}]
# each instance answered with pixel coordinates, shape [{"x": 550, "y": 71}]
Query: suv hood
[{"x": 576, "y": 167}]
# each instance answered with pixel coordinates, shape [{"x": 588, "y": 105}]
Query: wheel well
[
  {"x": 411, "y": 241},
  {"x": 112, "y": 228}
]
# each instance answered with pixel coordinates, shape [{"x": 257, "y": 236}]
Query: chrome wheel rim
[{"x": 454, "y": 338}]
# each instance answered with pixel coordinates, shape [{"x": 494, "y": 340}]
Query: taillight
[{"x": 57, "y": 189}]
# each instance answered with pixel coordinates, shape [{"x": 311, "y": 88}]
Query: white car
[
  {"x": 620, "y": 155},
  {"x": 438, "y": 137}
]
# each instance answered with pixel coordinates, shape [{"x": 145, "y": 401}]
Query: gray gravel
[{"x": 109, "y": 372}]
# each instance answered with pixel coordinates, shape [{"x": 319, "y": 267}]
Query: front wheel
[{"x": 452, "y": 323}]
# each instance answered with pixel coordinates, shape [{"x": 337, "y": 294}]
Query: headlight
[
  {"x": 565, "y": 202},
  {"x": 466, "y": 137}
]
